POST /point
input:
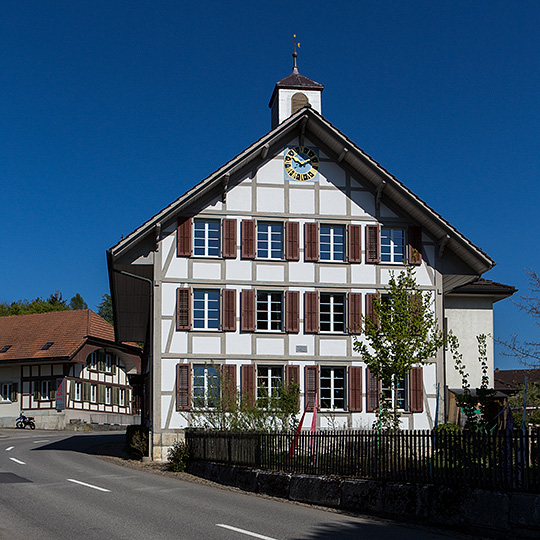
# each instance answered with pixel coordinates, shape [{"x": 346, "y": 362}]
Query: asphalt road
[{"x": 51, "y": 488}]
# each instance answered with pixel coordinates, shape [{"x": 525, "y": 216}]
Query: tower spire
[{"x": 295, "y": 55}]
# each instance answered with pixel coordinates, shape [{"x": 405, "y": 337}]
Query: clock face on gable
[{"x": 301, "y": 163}]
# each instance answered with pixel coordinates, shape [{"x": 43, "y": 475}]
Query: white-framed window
[
  {"x": 206, "y": 389},
  {"x": 206, "y": 309},
  {"x": 6, "y": 390},
  {"x": 206, "y": 238},
  {"x": 93, "y": 393},
  {"x": 108, "y": 363},
  {"x": 332, "y": 312},
  {"x": 122, "y": 397},
  {"x": 45, "y": 390},
  {"x": 269, "y": 240},
  {"x": 401, "y": 391},
  {"x": 78, "y": 391},
  {"x": 269, "y": 380},
  {"x": 392, "y": 245},
  {"x": 332, "y": 242},
  {"x": 332, "y": 385},
  {"x": 270, "y": 311},
  {"x": 108, "y": 395}
]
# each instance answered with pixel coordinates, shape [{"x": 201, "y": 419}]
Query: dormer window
[
  {"x": 5, "y": 349},
  {"x": 47, "y": 346}
]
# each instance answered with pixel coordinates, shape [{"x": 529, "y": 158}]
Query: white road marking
[
  {"x": 242, "y": 531},
  {"x": 38, "y": 442},
  {"x": 87, "y": 485},
  {"x": 10, "y": 448},
  {"x": 17, "y": 461}
]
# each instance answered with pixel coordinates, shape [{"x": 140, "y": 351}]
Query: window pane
[
  {"x": 206, "y": 238},
  {"x": 269, "y": 240}
]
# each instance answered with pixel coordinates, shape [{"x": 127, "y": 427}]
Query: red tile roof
[{"x": 67, "y": 330}]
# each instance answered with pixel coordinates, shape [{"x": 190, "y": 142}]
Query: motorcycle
[{"x": 22, "y": 421}]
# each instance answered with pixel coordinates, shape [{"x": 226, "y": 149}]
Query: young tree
[
  {"x": 77, "y": 302},
  {"x": 401, "y": 332},
  {"x": 474, "y": 406},
  {"x": 105, "y": 309},
  {"x": 528, "y": 352}
]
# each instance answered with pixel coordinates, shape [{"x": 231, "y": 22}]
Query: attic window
[
  {"x": 47, "y": 346},
  {"x": 5, "y": 349},
  {"x": 298, "y": 101}
]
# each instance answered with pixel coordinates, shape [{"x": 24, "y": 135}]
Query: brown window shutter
[
  {"x": 247, "y": 305},
  {"x": 416, "y": 386},
  {"x": 229, "y": 239},
  {"x": 369, "y": 307},
  {"x": 248, "y": 384},
  {"x": 355, "y": 389},
  {"x": 183, "y": 237},
  {"x": 373, "y": 249},
  {"x": 311, "y": 239},
  {"x": 415, "y": 245},
  {"x": 292, "y": 375},
  {"x": 229, "y": 310},
  {"x": 292, "y": 238},
  {"x": 183, "y": 308},
  {"x": 311, "y": 386},
  {"x": 247, "y": 248},
  {"x": 292, "y": 312},
  {"x": 311, "y": 312},
  {"x": 355, "y": 313},
  {"x": 183, "y": 387},
  {"x": 373, "y": 391},
  {"x": 355, "y": 243},
  {"x": 228, "y": 375}
]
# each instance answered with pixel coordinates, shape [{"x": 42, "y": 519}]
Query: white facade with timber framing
[{"x": 266, "y": 267}]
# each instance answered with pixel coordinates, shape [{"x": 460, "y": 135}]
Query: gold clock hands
[{"x": 299, "y": 160}]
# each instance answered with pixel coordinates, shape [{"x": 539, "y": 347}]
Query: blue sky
[{"x": 110, "y": 110}]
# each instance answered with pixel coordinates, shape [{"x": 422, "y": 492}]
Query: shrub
[
  {"x": 178, "y": 457},
  {"x": 137, "y": 440}
]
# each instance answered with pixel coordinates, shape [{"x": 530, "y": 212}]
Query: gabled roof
[
  {"x": 338, "y": 146},
  {"x": 68, "y": 331}
]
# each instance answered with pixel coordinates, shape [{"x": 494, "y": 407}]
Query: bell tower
[{"x": 292, "y": 93}]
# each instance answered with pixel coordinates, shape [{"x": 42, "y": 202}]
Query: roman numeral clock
[{"x": 301, "y": 163}]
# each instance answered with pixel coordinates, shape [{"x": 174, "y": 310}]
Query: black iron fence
[{"x": 503, "y": 461}]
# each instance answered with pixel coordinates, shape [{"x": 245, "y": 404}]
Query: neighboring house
[
  {"x": 266, "y": 269},
  {"x": 64, "y": 367},
  {"x": 511, "y": 381}
]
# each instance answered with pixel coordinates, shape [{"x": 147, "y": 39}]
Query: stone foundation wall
[
  {"x": 486, "y": 513},
  {"x": 161, "y": 442}
]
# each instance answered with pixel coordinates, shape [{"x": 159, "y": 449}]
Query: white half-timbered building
[
  {"x": 266, "y": 268},
  {"x": 65, "y": 369}
]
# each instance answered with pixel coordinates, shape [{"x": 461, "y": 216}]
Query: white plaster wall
[
  {"x": 270, "y": 346},
  {"x": 337, "y": 274},
  {"x": 362, "y": 203},
  {"x": 331, "y": 174},
  {"x": 179, "y": 343},
  {"x": 333, "y": 202},
  {"x": 363, "y": 273},
  {"x": 467, "y": 318},
  {"x": 284, "y": 98},
  {"x": 236, "y": 343},
  {"x": 300, "y": 272},
  {"x": 168, "y": 299},
  {"x": 207, "y": 270},
  {"x": 206, "y": 344},
  {"x": 301, "y": 339},
  {"x": 333, "y": 347},
  {"x": 270, "y": 200},
  {"x": 271, "y": 172},
  {"x": 239, "y": 199},
  {"x": 178, "y": 269},
  {"x": 301, "y": 201},
  {"x": 238, "y": 270},
  {"x": 270, "y": 272}
]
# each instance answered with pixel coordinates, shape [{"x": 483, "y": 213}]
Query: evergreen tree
[
  {"x": 105, "y": 308},
  {"x": 77, "y": 302}
]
